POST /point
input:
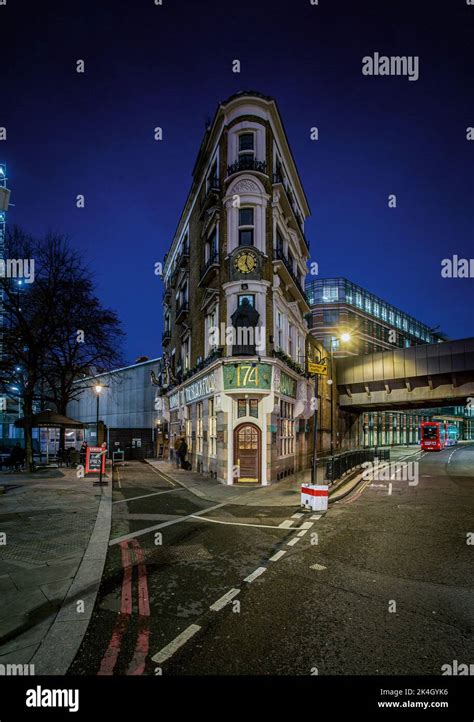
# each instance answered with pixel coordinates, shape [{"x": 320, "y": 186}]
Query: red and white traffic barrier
[{"x": 315, "y": 497}]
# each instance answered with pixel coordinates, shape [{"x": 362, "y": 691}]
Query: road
[{"x": 381, "y": 584}]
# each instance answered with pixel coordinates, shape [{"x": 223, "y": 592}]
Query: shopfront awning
[{"x": 50, "y": 420}]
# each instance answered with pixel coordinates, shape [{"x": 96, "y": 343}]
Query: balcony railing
[
  {"x": 279, "y": 255},
  {"x": 166, "y": 336},
  {"x": 247, "y": 164},
  {"x": 184, "y": 256},
  {"x": 213, "y": 190},
  {"x": 279, "y": 178},
  {"x": 182, "y": 311},
  {"x": 211, "y": 263}
]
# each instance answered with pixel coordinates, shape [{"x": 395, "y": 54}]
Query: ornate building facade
[{"x": 235, "y": 332}]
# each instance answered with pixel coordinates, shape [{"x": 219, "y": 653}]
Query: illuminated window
[
  {"x": 189, "y": 435},
  {"x": 199, "y": 434},
  {"x": 212, "y": 428},
  {"x": 286, "y": 429}
]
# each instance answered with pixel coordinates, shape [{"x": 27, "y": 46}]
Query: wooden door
[{"x": 247, "y": 452}]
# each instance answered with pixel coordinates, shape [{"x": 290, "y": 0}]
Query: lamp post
[
  {"x": 98, "y": 390},
  {"x": 345, "y": 338}
]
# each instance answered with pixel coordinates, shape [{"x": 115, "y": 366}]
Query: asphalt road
[{"x": 381, "y": 584}]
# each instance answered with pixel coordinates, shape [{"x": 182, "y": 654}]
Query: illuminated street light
[{"x": 344, "y": 337}]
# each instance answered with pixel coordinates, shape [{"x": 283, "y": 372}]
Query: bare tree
[{"x": 54, "y": 328}]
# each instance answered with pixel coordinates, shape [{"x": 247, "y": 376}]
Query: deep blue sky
[{"x": 170, "y": 65}]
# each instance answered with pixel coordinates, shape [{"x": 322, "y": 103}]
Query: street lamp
[
  {"x": 345, "y": 338},
  {"x": 98, "y": 389}
]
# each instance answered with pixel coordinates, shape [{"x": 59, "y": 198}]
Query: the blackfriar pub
[{"x": 235, "y": 333}]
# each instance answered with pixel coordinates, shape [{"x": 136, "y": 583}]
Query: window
[
  {"x": 182, "y": 297},
  {"x": 279, "y": 334},
  {"x": 290, "y": 340},
  {"x": 189, "y": 435},
  {"x": 212, "y": 428},
  {"x": 250, "y": 298},
  {"x": 286, "y": 437},
  {"x": 246, "y": 227},
  {"x": 331, "y": 317},
  {"x": 246, "y": 147},
  {"x": 212, "y": 331},
  {"x": 199, "y": 434},
  {"x": 280, "y": 245},
  {"x": 210, "y": 249},
  {"x": 186, "y": 354},
  {"x": 291, "y": 260},
  {"x": 247, "y": 407},
  {"x": 212, "y": 179},
  {"x": 358, "y": 299}
]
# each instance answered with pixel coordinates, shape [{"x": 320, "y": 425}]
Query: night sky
[{"x": 170, "y": 66}]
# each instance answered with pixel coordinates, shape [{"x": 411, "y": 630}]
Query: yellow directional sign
[{"x": 320, "y": 369}]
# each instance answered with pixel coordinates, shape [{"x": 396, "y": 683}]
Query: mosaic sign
[{"x": 248, "y": 376}]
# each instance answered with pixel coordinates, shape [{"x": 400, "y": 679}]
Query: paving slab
[{"x": 58, "y": 528}]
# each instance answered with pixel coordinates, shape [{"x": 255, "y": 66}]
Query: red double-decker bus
[{"x": 436, "y": 435}]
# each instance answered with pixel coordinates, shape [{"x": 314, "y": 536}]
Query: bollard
[{"x": 315, "y": 497}]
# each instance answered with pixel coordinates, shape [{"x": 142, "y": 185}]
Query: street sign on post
[{"x": 320, "y": 369}]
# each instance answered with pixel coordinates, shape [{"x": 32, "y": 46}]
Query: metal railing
[
  {"x": 247, "y": 164},
  {"x": 280, "y": 255},
  {"x": 213, "y": 260},
  {"x": 337, "y": 466}
]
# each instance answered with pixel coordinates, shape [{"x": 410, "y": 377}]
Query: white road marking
[
  {"x": 236, "y": 523},
  {"x": 163, "y": 475},
  {"x": 144, "y": 496},
  {"x": 224, "y": 600},
  {"x": 286, "y": 524},
  {"x": 390, "y": 488},
  {"x": 318, "y": 567},
  {"x": 293, "y": 542},
  {"x": 315, "y": 517},
  {"x": 306, "y": 525},
  {"x": 255, "y": 574},
  {"x": 296, "y": 516},
  {"x": 173, "y": 646},
  {"x": 303, "y": 532},
  {"x": 278, "y": 555},
  {"x": 141, "y": 532}
]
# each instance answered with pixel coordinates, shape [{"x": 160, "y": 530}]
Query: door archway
[{"x": 248, "y": 452}]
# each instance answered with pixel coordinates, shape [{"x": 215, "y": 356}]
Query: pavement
[{"x": 57, "y": 529}]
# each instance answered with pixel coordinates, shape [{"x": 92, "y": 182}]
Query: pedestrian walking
[
  {"x": 177, "y": 444},
  {"x": 182, "y": 451}
]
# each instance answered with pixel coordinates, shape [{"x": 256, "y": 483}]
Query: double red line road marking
[{"x": 137, "y": 664}]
